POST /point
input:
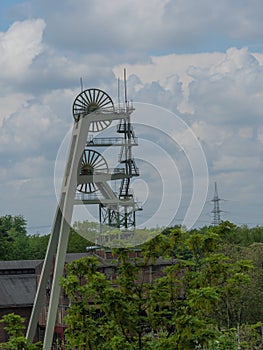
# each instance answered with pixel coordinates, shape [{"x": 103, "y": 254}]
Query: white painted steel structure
[{"x": 93, "y": 111}]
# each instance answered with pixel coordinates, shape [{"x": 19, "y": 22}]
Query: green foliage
[
  {"x": 14, "y": 326},
  {"x": 251, "y": 336},
  {"x": 77, "y": 243},
  {"x": 208, "y": 296},
  {"x": 37, "y": 246},
  {"x": 251, "y": 294},
  {"x": 81, "y": 235},
  {"x": 241, "y": 236},
  {"x": 13, "y": 238},
  {"x": 184, "y": 308},
  {"x": 17, "y": 223},
  {"x": 15, "y": 244}
]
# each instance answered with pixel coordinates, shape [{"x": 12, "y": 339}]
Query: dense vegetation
[
  {"x": 209, "y": 296},
  {"x": 14, "y": 326},
  {"x": 16, "y": 244}
]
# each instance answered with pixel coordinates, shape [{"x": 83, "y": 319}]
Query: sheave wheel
[
  {"x": 89, "y": 101},
  {"x": 91, "y": 163}
]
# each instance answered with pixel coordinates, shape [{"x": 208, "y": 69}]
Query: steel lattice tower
[{"x": 216, "y": 210}]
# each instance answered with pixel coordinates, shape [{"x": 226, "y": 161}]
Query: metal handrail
[{"x": 109, "y": 140}]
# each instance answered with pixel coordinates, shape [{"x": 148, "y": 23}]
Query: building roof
[
  {"x": 18, "y": 282},
  {"x": 74, "y": 256},
  {"x": 19, "y": 264},
  {"x": 18, "y": 278},
  {"x": 17, "y": 290}
]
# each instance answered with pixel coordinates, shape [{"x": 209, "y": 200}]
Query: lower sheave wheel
[{"x": 91, "y": 163}]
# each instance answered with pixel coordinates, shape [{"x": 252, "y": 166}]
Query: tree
[
  {"x": 5, "y": 241},
  {"x": 251, "y": 294},
  {"x": 13, "y": 237},
  {"x": 177, "y": 310},
  {"x": 16, "y": 244},
  {"x": 37, "y": 246},
  {"x": 80, "y": 235},
  {"x": 17, "y": 341},
  {"x": 17, "y": 223}
]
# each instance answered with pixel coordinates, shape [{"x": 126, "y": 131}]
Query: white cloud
[
  {"x": 10, "y": 103},
  {"x": 19, "y": 46},
  {"x": 32, "y": 130},
  {"x": 211, "y": 134},
  {"x": 156, "y": 26},
  {"x": 172, "y": 73},
  {"x": 227, "y": 162},
  {"x": 229, "y": 92},
  {"x": 219, "y": 94},
  {"x": 245, "y": 132}
]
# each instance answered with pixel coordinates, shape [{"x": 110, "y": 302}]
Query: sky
[{"x": 194, "y": 72}]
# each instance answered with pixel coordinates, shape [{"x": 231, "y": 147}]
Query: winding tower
[{"x": 87, "y": 181}]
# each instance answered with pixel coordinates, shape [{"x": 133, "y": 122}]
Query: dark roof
[
  {"x": 32, "y": 264},
  {"x": 18, "y": 287},
  {"x": 75, "y": 256},
  {"x": 17, "y": 290},
  {"x": 19, "y": 264}
]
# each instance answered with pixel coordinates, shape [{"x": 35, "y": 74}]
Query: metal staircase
[
  {"x": 122, "y": 216},
  {"x": 125, "y": 191}
]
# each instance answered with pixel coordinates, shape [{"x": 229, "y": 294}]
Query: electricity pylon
[{"x": 216, "y": 210}]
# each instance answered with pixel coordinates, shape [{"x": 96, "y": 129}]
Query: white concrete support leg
[
  {"x": 55, "y": 291},
  {"x": 59, "y": 237},
  {"x": 41, "y": 290}
]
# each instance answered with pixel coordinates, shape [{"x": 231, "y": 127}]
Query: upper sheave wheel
[{"x": 89, "y": 101}]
